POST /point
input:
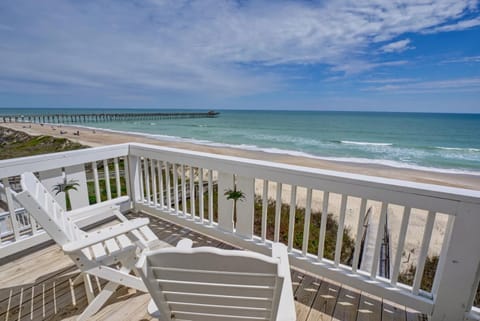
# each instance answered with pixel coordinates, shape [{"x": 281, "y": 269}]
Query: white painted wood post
[
  {"x": 225, "y": 207},
  {"x": 134, "y": 179},
  {"x": 79, "y": 197},
  {"x": 456, "y": 283},
  {"x": 246, "y": 207},
  {"x": 49, "y": 179}
]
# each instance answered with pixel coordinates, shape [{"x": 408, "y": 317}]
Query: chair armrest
[
  {"x": 286, "y": 306},
  {"x": 105, "y": 234},
  {"x": 96, "y": 209},
  {"x": 279, "y": 251}
]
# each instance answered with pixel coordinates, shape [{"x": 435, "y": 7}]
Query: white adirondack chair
[
  {"x": 109, "y": 253},
  {"x": 207, "y": 283}
]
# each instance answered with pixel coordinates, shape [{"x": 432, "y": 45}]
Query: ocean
[{"x": 435, "y": 142}]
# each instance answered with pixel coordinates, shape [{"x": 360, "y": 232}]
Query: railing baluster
[
  {"x": 126, "y": 172},
  {"x": 443, "y": 253},
  {"x": 175, "y": 188},
  {"x": 140, "y": 174},
  {"x": 278, "y": 210},
  {"x": 200, "y": 194},
  {"x": 210, "y": 196},
  {"x": 323, "y": 225},
  {"x": 341, "y": 226},
  {"x": 422, "y": 256},
  {"x": 192, "y": 192},
  {"x": 106, "y": 174},
  {"x": 291, "y": 216},
  {"x": 378, "y": 240},
  {"x": 184, "y": 191},
  {"x": 306, "y": 223},
  {"x": 160, "y": 183},
  {"x": 358, "y": 238},
  {"x": 117, "y": 177},
  {"x": 264, "y": 209},
  {"x": 147, "y": 179},
  {"x": 169, "y": 190},
  {"x": 400, "y": 245},
  {"x": 96, "y": 183},
  {"x": 154, "y": 182}
]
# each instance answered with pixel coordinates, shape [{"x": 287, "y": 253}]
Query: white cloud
[
  {"x": 468, "y": 59},
  {"x": 436, "y": 86},
  {"x": 460, "y": 25},
  {"x": 397, "y": 46},
  {"x": 389, "y": 80},
  {"x": 213, "y": 47}
]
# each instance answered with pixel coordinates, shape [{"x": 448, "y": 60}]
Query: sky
[{"x": 361, "y": 55}]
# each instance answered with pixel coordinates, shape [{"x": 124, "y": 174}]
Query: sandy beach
[{"x": 100, "y": 137}]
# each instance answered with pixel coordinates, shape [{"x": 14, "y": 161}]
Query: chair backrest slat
[
  {"x": 213, "y": 284},
  {"x": 37, "y": 200}
]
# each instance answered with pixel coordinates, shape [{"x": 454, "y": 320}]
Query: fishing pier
[{"x": 101, "y": 117}]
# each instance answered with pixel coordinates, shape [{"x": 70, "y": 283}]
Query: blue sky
[{"x": 383, "y": 55}]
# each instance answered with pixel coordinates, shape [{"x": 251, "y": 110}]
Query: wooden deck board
[
  {"x": 38, "y": 287},
  {"x": 392, "y": 312},
  {"x": 305, "y": 295},
  {"x": 369, "y": 308},
  {"x": 325, "y": 300},
  {"x": 346, "y": 307}
]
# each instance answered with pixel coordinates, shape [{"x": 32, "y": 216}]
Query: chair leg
[
  {"x": 99, "y": 301},
  {"x": 107, "y": 291},
  {"x": 88, "y": 287},
  {"x": 77, "y": 279}
]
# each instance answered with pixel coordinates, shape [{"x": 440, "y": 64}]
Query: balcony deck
[{"x": 37, "y": 286}]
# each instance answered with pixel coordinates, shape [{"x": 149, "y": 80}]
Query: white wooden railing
[
  {"x": 187, "y": 188},
  {"x": 18, "y": 230}
]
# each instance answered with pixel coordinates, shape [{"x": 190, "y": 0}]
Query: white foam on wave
[
  {"x": 350, "y": 142},
  {"x": 272, "y": 150},
  {"x": 467, "y": 149}
]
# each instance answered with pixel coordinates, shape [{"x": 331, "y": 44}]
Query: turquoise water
[{"x": 440, "y": 142}]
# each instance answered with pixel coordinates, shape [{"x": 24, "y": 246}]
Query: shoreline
[{"x": 103, "y": 137}]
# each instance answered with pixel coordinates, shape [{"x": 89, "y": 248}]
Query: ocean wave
[
  {"x": 459, "y": 149},
  {"x": 272, "y": 150},
  {"x": 350, "y": 142}
]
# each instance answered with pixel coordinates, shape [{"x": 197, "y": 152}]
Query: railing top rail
[
  {"x": 17, "y": 166},
  {"x": 271, "y": 170}
]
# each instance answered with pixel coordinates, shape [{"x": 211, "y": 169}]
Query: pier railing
[
  {"x": 283, "y": 203},
  {"x": 101, "y": 117}
]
